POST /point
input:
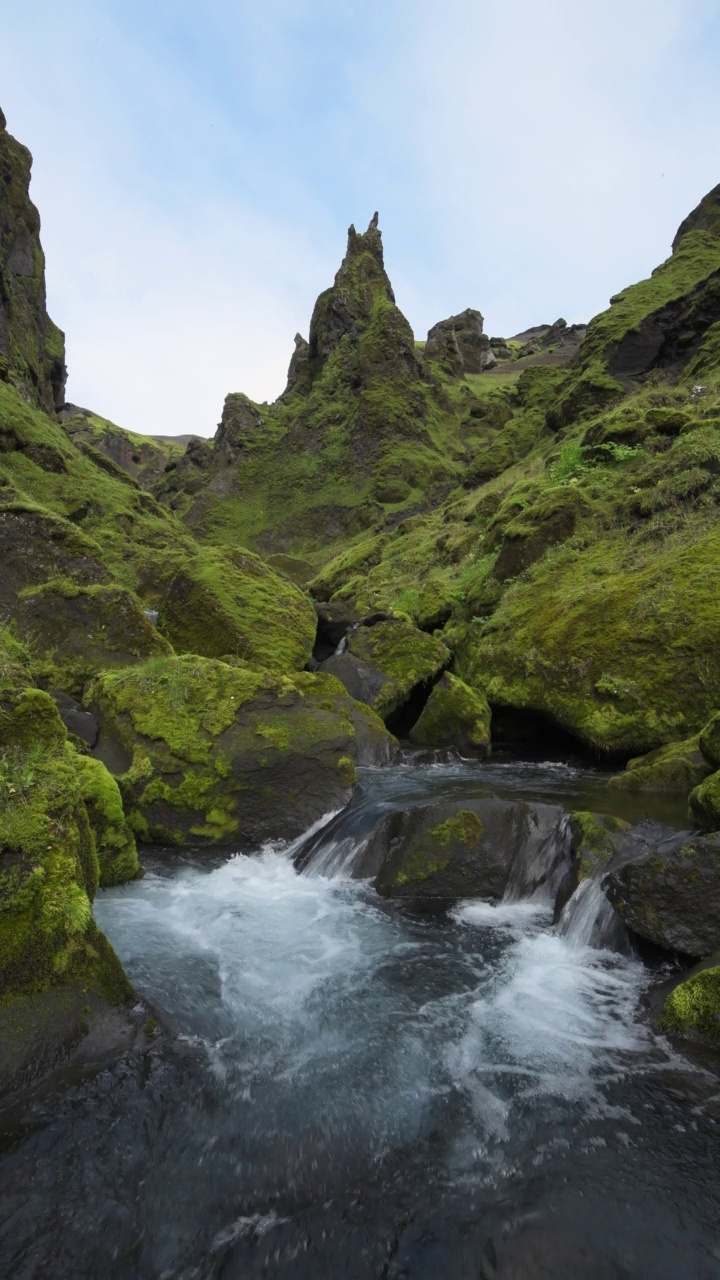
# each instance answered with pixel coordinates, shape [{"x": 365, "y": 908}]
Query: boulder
[
  {"x": 449, "y": 850},
  {"x": 114, "y": 841},
  {"x": 226, "y": 601},
  {"x": 387, "y": 663},
  {"x": 705, "y": 802},
  {"x": 667, "y": 891},
  {"x": 74, "y": 632},
  {"x": 206, "y": 752},
  {"x": 678, "y": 767},
  {"x": 454, "y": 716},
  {"x": 692, "y": 1009},
  {"x": 709, "y": 741}
]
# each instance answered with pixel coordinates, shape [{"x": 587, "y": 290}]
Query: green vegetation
[
  {"x": 693, "y": 1008},
  {"x": 594, "y": 841},
  {"x": 454, "y": 716}
]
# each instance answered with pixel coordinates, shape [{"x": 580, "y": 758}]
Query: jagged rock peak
[
  {"x": 32, "y": 348},
  {"x": 705, "y": 217},
  {"x": 361, "y": 307},
  {"x": 299, "y": 362},
  {"x": 240, "y": 417},
  {"x": 459, "y": 345}
]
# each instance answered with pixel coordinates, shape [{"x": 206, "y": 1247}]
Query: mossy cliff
[
  {"x": 62, "y": 832},
  {"x": 32, "y": 348}
]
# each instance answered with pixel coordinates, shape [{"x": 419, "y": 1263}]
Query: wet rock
[
  {"x": 77, "y": 719},
  {"x": 454, "y": 716},
  {"x": 443, "y": 852},
  {"x": 667, "y": 890}
]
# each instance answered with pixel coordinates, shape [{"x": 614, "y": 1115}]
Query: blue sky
[{"x": 197, "y": 166}]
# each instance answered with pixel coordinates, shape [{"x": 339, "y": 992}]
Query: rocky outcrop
[
  {"x": 32, "y": 348},
  {"x": 63, "y": 603},
  {"x": 208, "y": 752},
  {"x": 692, "y": 1009},
  {"x": 459, "y": 345},
  {"x": 358, "y": 314}
]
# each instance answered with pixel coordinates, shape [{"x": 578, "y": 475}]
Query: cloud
[{"x": 196, "y": 168}]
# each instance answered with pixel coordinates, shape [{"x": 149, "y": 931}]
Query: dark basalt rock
[
  {"x": 459, "y": 345},
  {"x": 32, "y": 348},
  {"x": 440, "y": 853},
  {"x": 667, "y": 890}
]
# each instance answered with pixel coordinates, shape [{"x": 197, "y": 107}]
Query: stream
[{"x": 345, "y": 1089}]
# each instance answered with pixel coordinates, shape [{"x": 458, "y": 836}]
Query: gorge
[{"x": 360, "y": 798}]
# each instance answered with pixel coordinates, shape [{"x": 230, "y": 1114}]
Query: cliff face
[{"x": 32, "y": 348}]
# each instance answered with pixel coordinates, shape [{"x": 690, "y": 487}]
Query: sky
[{"x": 196, "y": 166}]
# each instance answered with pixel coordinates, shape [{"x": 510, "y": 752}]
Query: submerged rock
[
  {"x": 667, "y": 891},
  {"x": 208, "y": 752},
  {"x": 454, "y": 716},
  {"x": 443, "y": 852}
]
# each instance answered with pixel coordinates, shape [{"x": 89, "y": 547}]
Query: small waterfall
[
  {"x": 589, "y": 920},
  {"x": 542, "y": 860}
]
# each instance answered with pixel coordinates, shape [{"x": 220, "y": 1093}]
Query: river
[{"x": 344, "y": 1089}]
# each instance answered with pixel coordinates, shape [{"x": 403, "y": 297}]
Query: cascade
[
  {"x": 589, "y": 920},
  {"x": 540, "y": 864}
]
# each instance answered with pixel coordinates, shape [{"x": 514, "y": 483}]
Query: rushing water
[{"x": 346, "y": 1090}]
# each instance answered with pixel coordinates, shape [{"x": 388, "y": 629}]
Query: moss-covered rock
[
  {"x": 58, "y": 975},
  {"x": 709, "y": 741},
  {"x": 596, "y": 839},
  {"x": 440, "y": 853},
  {"x": 454, "y": 716},
  {"x": 679, "y": 767},
  {"x": 692, "y": 1009},
  {"x": 669, "y": 892},
  {"x": 207, "y": 752},
  {"x": 705, "y": 802},
  {"x": 228, "y": 602},
  {"x": 74, "y": 632},
  {"x": 402, "y": 656},
  {"x": 114, "y": 841}
]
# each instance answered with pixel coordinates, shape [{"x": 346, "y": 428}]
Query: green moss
[
  {"x": 222, "y": 752},
  {"x": 680, "y": 766},
  {"x": 228, "y": 602},
  {"x": 709, "y": 741},
  {"x": 464, "y": 827},
  {"x": 114, "y": 842},
  {"x": 454, "y": 715},
  {"x": 705, "y": 802},
  {"x": 693, "y": 1008},
  {"x": 594, "y": 840}
]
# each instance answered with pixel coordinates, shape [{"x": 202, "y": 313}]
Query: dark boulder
[
  {"x": 440, "y": 853},
  {"x": 667, "y": 890}
]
